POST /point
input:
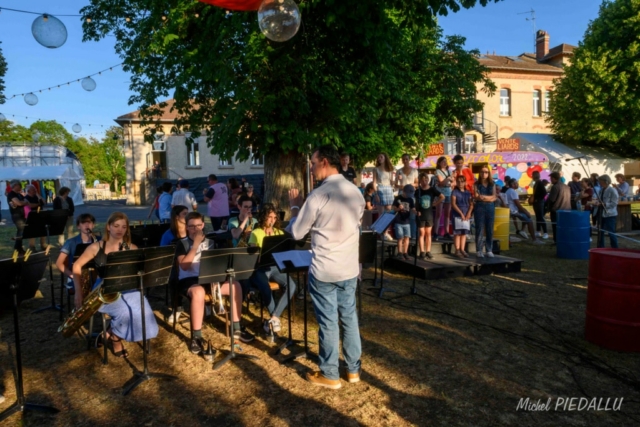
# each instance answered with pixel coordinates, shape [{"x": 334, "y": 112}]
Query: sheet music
[
  {"x": 383, "y": 222},
  {"x": 299, "y": 259}
]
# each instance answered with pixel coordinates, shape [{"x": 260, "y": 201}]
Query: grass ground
[{"x": 462, "y": 352}]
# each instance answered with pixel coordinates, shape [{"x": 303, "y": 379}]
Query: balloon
[
  {"x": 279, "y": 20},
  {"x": 522, "y": 167},
  {"x": 242, "y": 5}
]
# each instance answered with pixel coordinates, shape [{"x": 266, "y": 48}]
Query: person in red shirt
[{"x": 460, "y": 170}]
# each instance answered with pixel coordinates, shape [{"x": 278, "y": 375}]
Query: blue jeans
[
  {"x": 334, "y": 304},
  {"x": 484, "y": 216},
  {"x": 261, "y": 280},
  {"x": 608, "y": 224}
]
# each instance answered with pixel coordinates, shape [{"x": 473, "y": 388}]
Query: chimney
[{"x": 542, "y": 44}]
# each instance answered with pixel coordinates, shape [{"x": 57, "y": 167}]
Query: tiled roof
[
  {"x": 524, "y": 62},
  {"x": 167, "y": 114},
  {"x": 563, "y": 48}
]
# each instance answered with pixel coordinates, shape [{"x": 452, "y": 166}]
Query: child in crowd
[
  {"x": 461, "y": 207},
  {"x": 427, "y": 197},
  {"x": 404, "y": 205}
]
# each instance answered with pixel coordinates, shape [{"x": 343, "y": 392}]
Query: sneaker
[
  {"x": 538, "y": 242},
  {"x": 275, "y": 324},
  {"x": 352, "y": 377},
  {"x": 170, "y": 317},
  {"x": 406, "y": 256},
  {"x": 428, "y": 255},
  {"x": 538, "y": 234},
  {"x": 522, "y": 234},
  {"x": 545, "y": 236},
  {"x": 459, "y": 254},
  {"x": 490, "y": 255},
  {"x": 316, "y": 378},
  {"x": 196, "y": 346},
  {"x": 399, "y": 256},
  {"x": 243, "y": 335},
  {"x": 388, "y": 238},
  {"x": 422, "y": 255},
  {"x": 479, "y": 254}
]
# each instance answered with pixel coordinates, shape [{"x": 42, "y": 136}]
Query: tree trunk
[{"x": 281, "y": 173}]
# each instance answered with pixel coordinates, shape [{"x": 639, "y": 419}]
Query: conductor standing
[{"x": 332, "y": 214}]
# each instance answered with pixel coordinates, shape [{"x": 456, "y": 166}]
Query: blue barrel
[{"x": 574, "y": 233}]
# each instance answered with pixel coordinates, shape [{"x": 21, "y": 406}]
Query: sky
[{"x": 497, "y": 27}]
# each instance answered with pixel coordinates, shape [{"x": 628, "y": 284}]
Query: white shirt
[
  {"x": 332, "y": 213},
  {"x": 405, "y": 179},
  {"x": 184, "y": 197},
  {"x": 512, "y": 195}
]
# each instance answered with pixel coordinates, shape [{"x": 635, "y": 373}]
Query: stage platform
[{"x": 444, "y": 265}]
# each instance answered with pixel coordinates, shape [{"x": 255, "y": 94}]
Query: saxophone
[{"x": 91, "y": 304}]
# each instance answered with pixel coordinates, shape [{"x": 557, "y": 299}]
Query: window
[
  {"x": 537, "y": 106},
  {"x": 257, "y": 160},
  {"x": 547, "y": 100},
  {"x": 505, "y": 102},
  {"x": 193, "y": 154},
  {"x": 226, "y": 162}
]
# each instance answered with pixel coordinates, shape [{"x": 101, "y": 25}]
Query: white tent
[
  {"x": 64, "y": 175},
  {"x": 596, "y": 160}
]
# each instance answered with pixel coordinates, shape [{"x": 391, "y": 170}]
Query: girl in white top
[
  {"x": 443, "y": 183},
  {"x": 406, "y": 174},
  {"x": 382, "y": 183}
]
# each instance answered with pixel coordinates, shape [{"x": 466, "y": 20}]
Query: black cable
[{"x": 33, "y": 13}]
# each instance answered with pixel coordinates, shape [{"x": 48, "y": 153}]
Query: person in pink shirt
[{"x": 217, "y": 198}]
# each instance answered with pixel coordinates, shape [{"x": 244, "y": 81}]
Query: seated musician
[
  {"x": 268, "y": 226},
  {"x": 126, "y": 322},
  {"x": 85, "y": 223},
  {"x": 188, "y": 251},
  {"x": 242, "y": 225},
  {"x": 177, "y": 226}
]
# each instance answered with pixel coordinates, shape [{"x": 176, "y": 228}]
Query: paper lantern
[
  {"x": 242, "y": 5},
  {"x": 76, "y": 128},
  {"x": 31, "y": 99},
  {"x": 49, "y": 31},
  {"x": 279, "y": 20},
  {"x": 88, "y": 84}
]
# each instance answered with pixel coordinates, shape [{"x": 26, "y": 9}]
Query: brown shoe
[
  {"x": 317, "y": 378},
  {"x": 353, "y": 378}
]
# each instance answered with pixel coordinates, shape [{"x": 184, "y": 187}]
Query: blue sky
[{"x": 497, "y": 27}]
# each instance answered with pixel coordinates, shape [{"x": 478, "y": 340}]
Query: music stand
[
  {"x": 47, "y": 224},
  {"x": 293, "y": 262},
  {"x": 379, "y": 228},
  {"x": 218, "y": 265},
  {"x": 14, "y": 278},
  {"x": 139, "y": 269},
  {"x": 366, "y": 255}
]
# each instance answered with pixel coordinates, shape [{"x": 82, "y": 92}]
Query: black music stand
[
  {"x": 366, "y": 255},
  {"x": 47, "y": 224},
  {"x": 219, "y": 265},
  {"x": 379, "y": 228},
  {"x": 16, "y": 276},
  {"x": 139, "y": 269},
  {"x": 293, "y": 262},
  {"x": 270, "y": 244}
]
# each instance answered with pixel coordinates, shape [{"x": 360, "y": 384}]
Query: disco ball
[
  {"x": 2, "y": 117},
  {"x": 49, "y": 31},
  {"x": 88, "y": 84},
  {"x": 31, "y": 99},
  {"x": 279, "y": 20},
  {"x": 76, "y": 128}
]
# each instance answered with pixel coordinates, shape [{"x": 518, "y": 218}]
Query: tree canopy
[
  {"x": 597, "y": 102},
  {"x": 366, "y": 76}
]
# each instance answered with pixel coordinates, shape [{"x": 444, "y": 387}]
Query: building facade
[
  {"x": 522, "y": 98},
  {"x": 176, "y": 158}
]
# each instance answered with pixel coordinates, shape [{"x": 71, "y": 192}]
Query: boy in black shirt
[
  {"x": 404, "y": 205},
  {"x": 427, "y": 198}
]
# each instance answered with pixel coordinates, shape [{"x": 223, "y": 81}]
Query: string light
[
  {"x": 66, "y": 83},
  {"x": 48, "y": 120}
]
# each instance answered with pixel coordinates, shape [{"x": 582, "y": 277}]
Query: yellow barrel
[{"x": 501, "y": 228}]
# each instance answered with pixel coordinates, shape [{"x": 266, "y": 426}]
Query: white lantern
[
  {"x": 279, "y": 20},
  {"x": 49, "y": 31}
]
